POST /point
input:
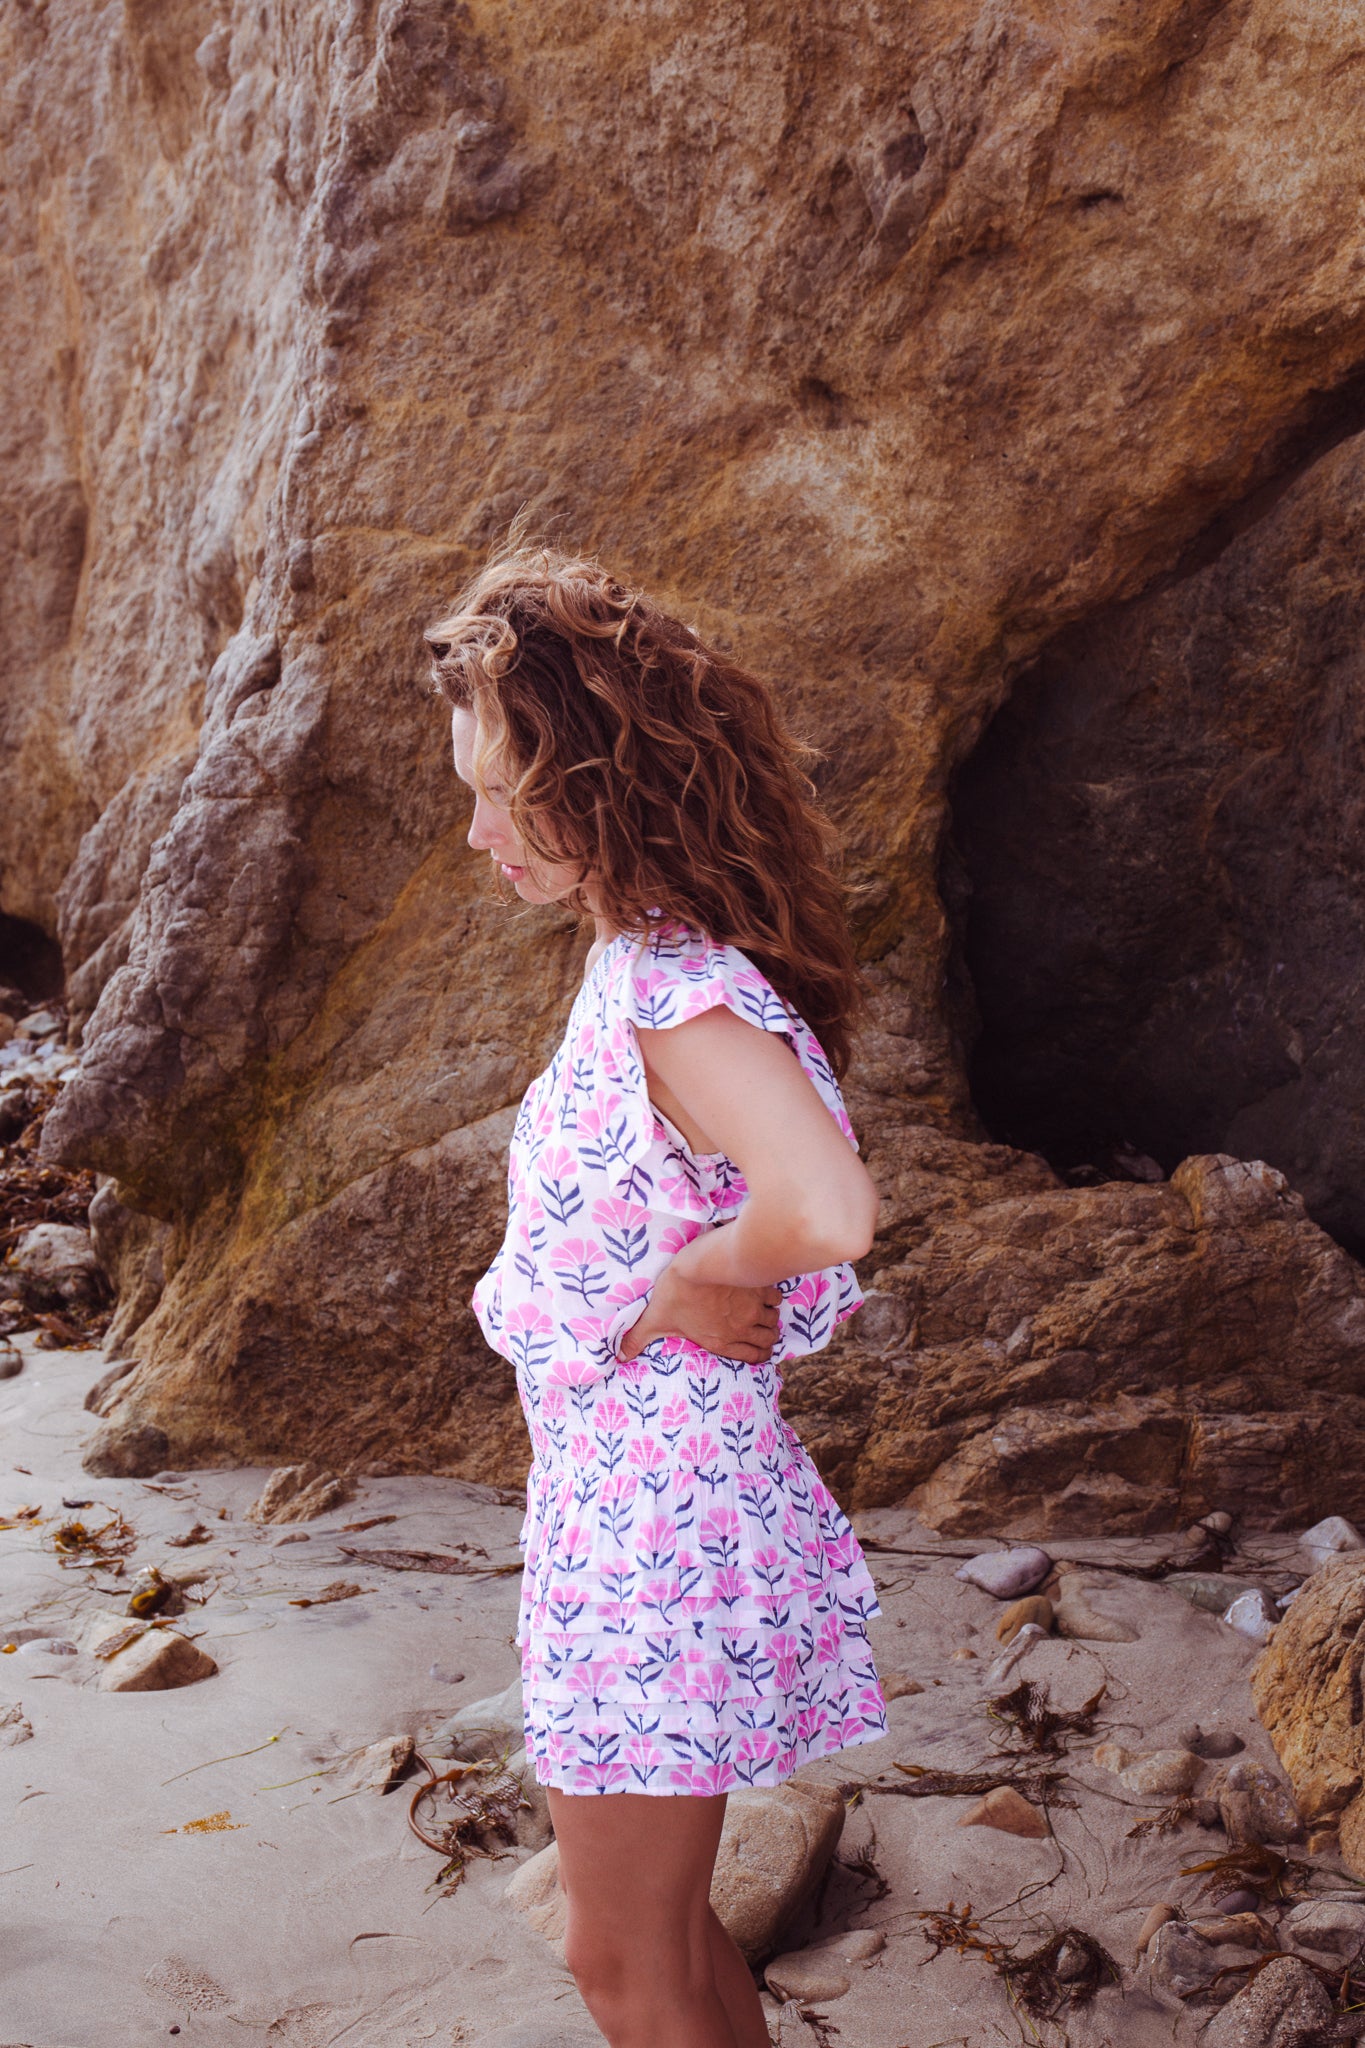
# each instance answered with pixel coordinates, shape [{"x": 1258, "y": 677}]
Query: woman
[{"x": 684, "y": 1195}]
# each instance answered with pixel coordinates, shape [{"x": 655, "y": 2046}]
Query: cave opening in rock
[
  {"x": 29, "y": 960},
  {"x": 1156, "y": 871}
]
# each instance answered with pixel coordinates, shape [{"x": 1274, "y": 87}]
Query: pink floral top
[{"x": 602, "y": 1191}]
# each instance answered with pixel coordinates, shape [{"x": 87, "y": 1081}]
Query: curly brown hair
[{"x": 657, "y": 766}]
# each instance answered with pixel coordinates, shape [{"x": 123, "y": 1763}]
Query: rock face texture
[
  {"x": 1308, "y": 1689},
  {"x": 897, "y": 362}
]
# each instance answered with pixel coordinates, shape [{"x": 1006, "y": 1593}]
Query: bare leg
[
  {"x": 739, "y": 1993},
  {"x": 636, "y": 1871}
]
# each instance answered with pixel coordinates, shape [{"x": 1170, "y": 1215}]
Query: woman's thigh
[{"x": 631, "y": 1860}]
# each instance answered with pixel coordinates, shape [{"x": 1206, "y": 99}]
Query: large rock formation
[{"x": 889, "y": 358}]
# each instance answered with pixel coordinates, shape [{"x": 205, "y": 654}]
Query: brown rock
[
  {"x": 126, "y": 1450},
  {"x": 897, "y": 1685},
  {"x": 1306, "y": 1685},
  {"x": 1036, "y": 1608},
  {"x": 54, "y": 1266},
  {"x": 295, "y": 1493},
  {"x": 1156, "y": 1917},
  {"x": 307, "y": 1027},
  {"x": 158, "y": 1661},
  {"x": 1008, "y": 1810},
  {"x": 378, "y": 1767},
  {"x": 1078, "y": 1617},
  {"x": 1164, "y": 1774}
]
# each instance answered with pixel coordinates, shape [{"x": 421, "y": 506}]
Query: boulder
[
  {"x": 296, "y": 1493},
  {"x": 100, "y": 1397},
  {"x": 159, "y": 1661},
  {"x": 54, "y": 1266},
  {"x": 1284, "y": 2006},
  {"x": 1183, "y": 1964},
  {"x": 1307, "y": 1686},
  {"x": 379, "y": 1766},
  {"x": 127, "y": 1450}
]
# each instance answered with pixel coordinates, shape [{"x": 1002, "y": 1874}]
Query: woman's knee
[{"x": 617, "y": 1969}]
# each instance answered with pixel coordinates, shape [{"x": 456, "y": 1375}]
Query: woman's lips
[{"x": 513, "y": 874}]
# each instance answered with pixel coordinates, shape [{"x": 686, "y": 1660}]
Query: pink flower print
[
  {"x": 557, "y": 1175},
  {"x": 610, "y": 1416},
  {"x": 530, "y": 1336},
  {"x": 705, "y": 1780},
  {"x": 581, "y": 1267},
  {"x": 828, "y": 1641},
  {"x": 646, "y": 1454},
  {"x": 593, "y": 1679},
  {"x": 582, "y": 1449},
  {"x": 680, "y": 1188},
  {"x": 718, "y": 1536},
  {"x": 752, "y": 1752},
  {"x": 574, "y": 1546},
  {"x": 785, "y": 1651},
  {"x": 656, "y": 1543},
  {"x": 730, "y": 1586},
  {"x": 604, "y": 1777},
  {"x": 552, "y": 1403},
  {"x": 656, "y": 998},
  {"x": 625, "y": 1230},
  {"x": 574, "y": 1372},
  {"x": 677, "y": 1235},
  {"x": 642, "y": 1758},
  {"x": 700, "y": 1453}
]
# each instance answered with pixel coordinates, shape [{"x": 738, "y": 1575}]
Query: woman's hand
[{"x": 731, "y": 1322}]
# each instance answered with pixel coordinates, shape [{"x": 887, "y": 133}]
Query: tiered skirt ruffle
[{"x": 690, "y": 1627}]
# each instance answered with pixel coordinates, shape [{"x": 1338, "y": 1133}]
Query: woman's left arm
[{"x": 812, "y": 1202}]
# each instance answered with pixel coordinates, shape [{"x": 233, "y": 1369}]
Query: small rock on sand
[
  {"x": 824, "y": 1970},
  {"x": 1183, "y": 1964},
  {"x": 899, "y": 1685},
  {"x": 1333, "y": 1927},
  {"x": 54, "y": 1266},
  {"x": 1256, "y": 1806},
  {"x": 807, "y": 1976},
  {"x": 159, "y": 1661},
  {"x": 126, "y": 1450},
  {"x": 1157, "y": 1917},
  {"x": 1214, "y": 1592},
  {"x": 1285, "y": 2006},
  {"x": 11, "y": 1361},
  {"x": 1242, "y": 1930},
  {"x": 14, "y": 1727},
  {"x": 378, "y": 1767},
  {"x": 1164, "y": 1774},
  {"x": 1253, "y": 1615},
  {"x": 1034, "y": 1607},
  {"x": 1008, "y": 1810},
  {"x": 295, "y": 1493},
  {"x": 1006, "y": 1573},
  {"x": 1113, "y": 1756},
  {"x": 1210, "y": 1743}
]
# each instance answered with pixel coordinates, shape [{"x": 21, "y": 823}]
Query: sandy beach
[{"x": 308, "y": 1915}]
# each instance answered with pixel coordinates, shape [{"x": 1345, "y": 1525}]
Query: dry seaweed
[
  {"x": 32, "y": 1192},
  {"x": 340, "y": 1589},
  {"x": 1165, "y": 1822},
  {"x": 428, "y": 1561},
  {"x": 1255, "y": 1868},
  {"x": 486, "y": 1796},
  {"x": 1067, "y": 1970},
  {"x": 1033, "y": 1780},
  {"x": 1038, "y": 1727},
  {"x": 76, "y": 1543}
]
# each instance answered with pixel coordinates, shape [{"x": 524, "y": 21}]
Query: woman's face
[{"x": 492, "y": 831}]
